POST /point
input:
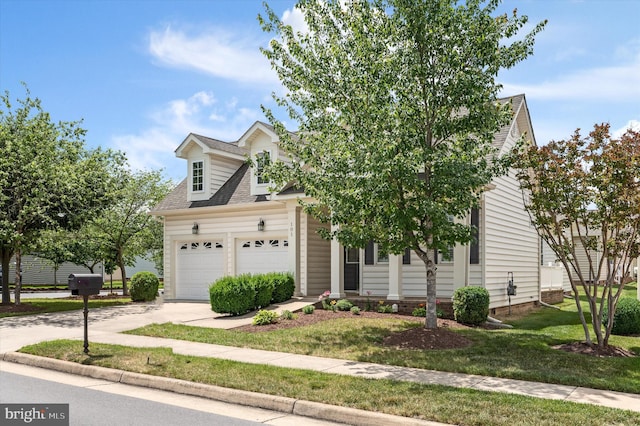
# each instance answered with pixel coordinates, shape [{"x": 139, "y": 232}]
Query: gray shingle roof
[
  {"x": 230, "y": 147},
  {"x": 237, "y": 189},
  {"x": 176, "y": 199}
]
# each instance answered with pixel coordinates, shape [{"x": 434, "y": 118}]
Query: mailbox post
[{"x": 85, "y": 285}]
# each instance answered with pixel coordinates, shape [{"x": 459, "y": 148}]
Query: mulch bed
[
  {"x": 420, "y": 337},
  {"x": 413, "y": 338},
  {"x": 585, "y": 348}
]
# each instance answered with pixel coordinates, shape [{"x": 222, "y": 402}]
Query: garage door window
[
  {"x": 205, "y": 245},
  {"x": 258, "y": 244}
]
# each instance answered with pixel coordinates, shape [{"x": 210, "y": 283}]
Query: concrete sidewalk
[
  {"x": 378, "y": 371},
  {"x": 106, "y": 325}
]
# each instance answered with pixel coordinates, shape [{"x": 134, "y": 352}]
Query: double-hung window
[
  {"x": 262, "y": 159},
  {"x": 197, "y": 176}
]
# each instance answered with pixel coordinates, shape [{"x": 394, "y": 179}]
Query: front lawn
[
  {"x": 524, "y": 352},
  {"x": 41, "y": 306},
  {"x": 430, "y": 402}
]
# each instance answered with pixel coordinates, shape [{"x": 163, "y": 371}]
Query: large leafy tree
[
  {"x": 396, "y": 106},
  {"x": 125, "y": 230},
  {"x": 52, "y": 247},
  {"x": 48, "y": 179},
  {"x": 583, "y": 196}
]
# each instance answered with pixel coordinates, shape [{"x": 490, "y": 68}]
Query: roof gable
[
  {"x": 256, "y": 130},
  {"x": 520, "y": 120},
  {"x": 210, "y": 146}
]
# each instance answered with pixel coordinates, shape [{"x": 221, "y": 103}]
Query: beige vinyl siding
[
  {"x": 548, "y": 255},
  {"x": 414, "y": 278},
  {"x": 375, "y": 278},
  {"x": 511, "y": 244},
  {"x": 168, "y": 266},
  {"x": 227, "y": 225},
  {"x": 475, "y": 274},
  {"x": 315, "y": 259},
  {"x": 583, "y": 262},
  {"x": 221, "y": 170}
]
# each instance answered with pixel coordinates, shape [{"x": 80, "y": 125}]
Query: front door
[{"x": 351, "y": 269}]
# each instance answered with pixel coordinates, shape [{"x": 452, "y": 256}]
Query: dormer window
[
  {"x": 197, "y": 176},
  {"x": 262, "y": 159}
]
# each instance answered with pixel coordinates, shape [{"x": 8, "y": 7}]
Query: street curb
[{"x": 316, "y": 410}]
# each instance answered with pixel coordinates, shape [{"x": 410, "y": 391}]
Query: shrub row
[{"x": 246, "y": 292}]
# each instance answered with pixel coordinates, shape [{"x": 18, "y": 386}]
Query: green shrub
[
  {"x": 420, "y": 311},
  {"x": 264, "y": 290},
  {"x": 330, "y": 305},
  {"x": 626, "y": 318},
  {"x": 343, "y": 305},
  {"x": 385, "y": 309},
  {"x": 471, "y": 305},
  {"x": 288, "y": 315},
  {"x": 308, "y": 309},
  {"x": 144, "y": 286},
  {"x": 355, "y": 310},
  {"x": 232, "y": 295},
  {"x": 264, "y": 317},
  {"x": 283, "y": 286}
]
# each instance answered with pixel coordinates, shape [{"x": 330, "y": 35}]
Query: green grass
[
  {"x": 436, "y": 403},
  {"x": 58, "y": 305},
  {"x": 524, "y": 352}
]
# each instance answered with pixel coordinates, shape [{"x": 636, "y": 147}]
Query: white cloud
[
  {"x": 295, "y": 18},
  {"x": 631, "y": 124},
  {"x": 608, "y": 84},
  {"x": 217, "y": 52},
  {"x": 616, "y": 81},
  {"x": 153, "y": 147}
]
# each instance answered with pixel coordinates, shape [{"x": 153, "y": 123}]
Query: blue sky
[{"x": 143, "y": 74}]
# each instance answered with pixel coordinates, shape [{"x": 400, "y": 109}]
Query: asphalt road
[
  {"x": 92, "y": 407},
  {"x": 94, "y": 402}
]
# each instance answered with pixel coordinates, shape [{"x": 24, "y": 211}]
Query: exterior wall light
[
  {"x": 261, "y": 225},
  {"x": 194, "y": 228}
]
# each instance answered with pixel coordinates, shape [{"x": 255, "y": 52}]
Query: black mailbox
[{"x": 85, "y": 284}]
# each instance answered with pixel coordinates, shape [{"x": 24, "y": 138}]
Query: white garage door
[
  {"x": 199, "y": 265},
  {"x": 258, "y": 256}
]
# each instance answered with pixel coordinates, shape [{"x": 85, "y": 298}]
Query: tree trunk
[
  {"x": 6, "y": 261},
  {"x": 431, "y": 320},
  {"x": 18, "y": 283},
  {"x": 125, "y": 290},
  {"x": 576, "y": 297}
]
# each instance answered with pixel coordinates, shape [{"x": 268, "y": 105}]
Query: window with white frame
[
  {"x": 197, "y": 176},
  {"x": 262, "y": 159},
  {"x": 381, "y": 255},
  {"x": 445, "y": 256}
]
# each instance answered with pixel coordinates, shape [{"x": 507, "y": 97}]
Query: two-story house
[{"x": 222, "y": 220}]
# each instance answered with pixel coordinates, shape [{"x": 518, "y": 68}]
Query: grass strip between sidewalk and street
[
  {"x": 522, "y": 353},
  {"x": 429, "y": 402}
]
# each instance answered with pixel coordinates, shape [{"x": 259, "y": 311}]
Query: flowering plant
[{"x": 325, "y": 305}]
